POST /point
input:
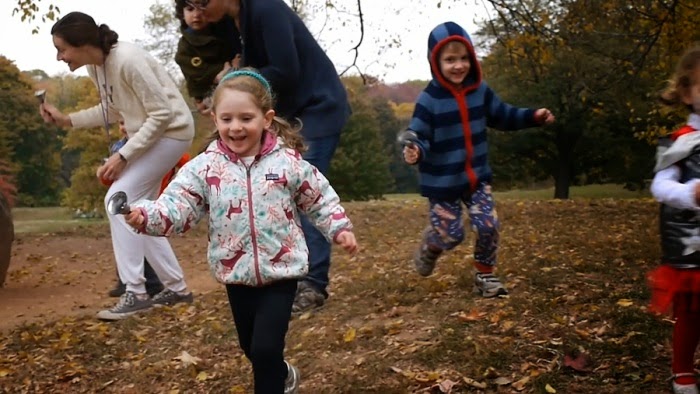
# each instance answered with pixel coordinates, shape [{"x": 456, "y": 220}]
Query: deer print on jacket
[{"x": 253, "y": 213}]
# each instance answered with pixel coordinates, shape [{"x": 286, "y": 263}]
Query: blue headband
[{"x": 247, "y": 73}]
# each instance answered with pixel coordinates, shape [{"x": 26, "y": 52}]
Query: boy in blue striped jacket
[{"x": 450, "y": 147}]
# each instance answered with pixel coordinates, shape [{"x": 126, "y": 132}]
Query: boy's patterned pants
[{"x": 448, "y": 228}]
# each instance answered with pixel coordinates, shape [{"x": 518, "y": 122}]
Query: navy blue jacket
[
  {"x": 303, "y": 78},
  {"x": 451, "y": 123}
]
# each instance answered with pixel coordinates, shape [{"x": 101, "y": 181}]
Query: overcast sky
[{"x": 403, "y": 23}]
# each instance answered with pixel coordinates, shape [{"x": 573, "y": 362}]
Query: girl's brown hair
[
  {"x": 682, "y": 80},
  {"x": 263, "y": 97},
  {"x": 78, "y": 29}
]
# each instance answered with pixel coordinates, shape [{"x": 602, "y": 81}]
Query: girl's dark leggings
[{"x": 261, "y": 315}]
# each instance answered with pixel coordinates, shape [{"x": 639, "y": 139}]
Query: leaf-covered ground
[{"x": 575, "y": 320}]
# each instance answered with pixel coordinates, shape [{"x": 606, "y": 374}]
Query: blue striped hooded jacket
[{"x": 451, "y": 122}]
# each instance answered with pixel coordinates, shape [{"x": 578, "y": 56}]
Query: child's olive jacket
[
  {"x": 201, "y": 56},
  {"x": 451, "y": 123},
  {"x": 255, "y": 235}
]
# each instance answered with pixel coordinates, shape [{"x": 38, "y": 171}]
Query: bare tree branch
[{"x": 356, "y": 48}]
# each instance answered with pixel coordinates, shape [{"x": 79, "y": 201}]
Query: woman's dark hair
[{"x": 78, "y": 29}]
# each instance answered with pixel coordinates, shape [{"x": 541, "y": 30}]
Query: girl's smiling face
[
  {"x": 691, "y": 95},
  {"x": 240, "y": 122}
]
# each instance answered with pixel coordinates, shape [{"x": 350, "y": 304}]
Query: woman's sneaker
[
  {"x": 128, "y": 304},
  {"x": 307, "y": 298},
  {"x": 291, "y": 384},
  {"x": 169, "y": 297},
  {"x": 425, "y": 258},
  {"x": 488, "y": 285}
]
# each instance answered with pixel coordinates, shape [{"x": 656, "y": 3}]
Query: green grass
[
  {"x": 58, "y": 219},
  {"x": 575, "y": 192},
  {"x": 48, "y": 220}
]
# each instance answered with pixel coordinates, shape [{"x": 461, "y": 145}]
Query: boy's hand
[
  {"x": 544, "y": 116},
  {"x": 236, "y": 62},
  {"x": 411, "y": 154},
  {"x": 224, "y": 71},
  {"x": 135, "y": 218},
  {"x": 346, "y": 239},
  {"x": 203, "y": 106}
]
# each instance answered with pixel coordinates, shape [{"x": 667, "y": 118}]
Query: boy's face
[
  {"x": 194, "y": 17},
  {"x": 122, "y": 128},
  {"x": 454, "y": 62}
]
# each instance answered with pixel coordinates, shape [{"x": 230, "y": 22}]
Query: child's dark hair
[
  {"x": 682, "y": 79},
  {"x": 180, "y": 13},
  {"x": 262, "y": 95},
  {"x": 78, "y": 29}
]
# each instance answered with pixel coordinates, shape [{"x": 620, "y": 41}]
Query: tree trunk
[
  {"x": 562, "y": 181},
  {"x": 565, "y": 142},
  {"x": 7, "y": 236}
]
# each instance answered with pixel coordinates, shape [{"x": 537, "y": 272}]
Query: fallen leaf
[
  {"x": 445, "y": 386},
  {"x": 549, "y": 389},
  {"x": 474, "y": 383},
  {"x": 350, "y": 335},
  {"x": 473, "y": 315},
  {"x": 187, "y": 359},
  {"x": 502, "y": 381},
  {"x": 625, "y": 302},
  {"x": 582, "y": 362},
  {"x": 520, "y": 384}
]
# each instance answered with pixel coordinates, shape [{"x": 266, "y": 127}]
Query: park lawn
[{"x": 575, "y": 320}]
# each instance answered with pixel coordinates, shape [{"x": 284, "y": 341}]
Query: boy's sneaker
[
  {"x": 685, "y": 388},
  {"x": 291, "y": 384},
  {"x": 488, "y": 285},
  {"x": 128, "y": 305},
  {"x": 425, "y": 258},
  {"x": 169, "y": 297},
  {"x": 307, "y": 298}
]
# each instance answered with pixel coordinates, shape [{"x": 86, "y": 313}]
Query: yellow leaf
[
  {"x": 550, "y": 389},
  {"x": 625, "y": 302},
  {"x": 350, "y": 335},
  {"x": 202, "y": 376},
  {"x": 520, "y": 384},
  {"x": 4, "y": 372}
]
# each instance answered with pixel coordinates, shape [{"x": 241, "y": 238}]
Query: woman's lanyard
[{"x": 104, "y": 101}]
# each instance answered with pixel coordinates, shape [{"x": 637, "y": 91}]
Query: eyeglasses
[{"x": 198, "y": 4}]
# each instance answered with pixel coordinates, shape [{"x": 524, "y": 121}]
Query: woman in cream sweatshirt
[{"x": 135, "y": 87}]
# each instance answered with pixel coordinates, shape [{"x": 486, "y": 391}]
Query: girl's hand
[
  {"x": 346, "y": 239},
  {"x": 135, "y": 218},
  {"x": 411, "y": 154},
  {"x": 112, "y": 168},
  {"x": 52, "y": 115},
  {"x": 544, "y": 116}
]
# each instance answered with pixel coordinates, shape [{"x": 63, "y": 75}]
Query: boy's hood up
[{"x": 441, "y": 35}]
